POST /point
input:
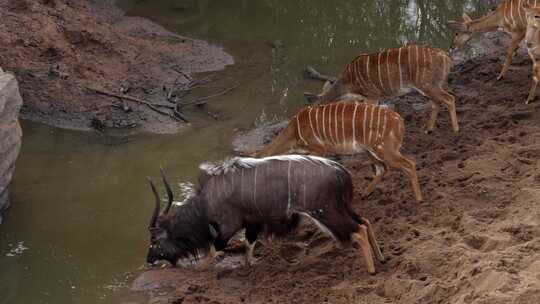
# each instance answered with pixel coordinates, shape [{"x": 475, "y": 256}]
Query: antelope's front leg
[
  {"x": 210, "y": 258},
  {"x": 536, "y": 78},
  {"x": 516, "y": 39}
]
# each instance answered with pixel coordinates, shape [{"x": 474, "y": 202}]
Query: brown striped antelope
[
  {"x": 348, "y": 128},
  {"x": 532, "y": 39},
  {"x": 395, "y": 72},
  {"x": 509, "y": 16}
]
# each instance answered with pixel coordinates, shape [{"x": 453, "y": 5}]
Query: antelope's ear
[
  {"x": 458, "y": 26},
  {"x": 466, "y": 18}
]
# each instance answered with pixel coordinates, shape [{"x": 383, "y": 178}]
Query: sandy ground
[
  {"x": 475, "y": 239},
  {"x": 58, "y": 49}
]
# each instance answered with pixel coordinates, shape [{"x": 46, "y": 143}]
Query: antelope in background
[
  {"x": 532, "y": 39},
  {"x": 508, "y": 16},
  {"x": 395, "y": 72},
  {"x": 266, "y": 195},
  {"x": 348, "y": 128}
]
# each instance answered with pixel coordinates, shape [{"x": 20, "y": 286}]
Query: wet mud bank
[
  {"x": 475, "y": 239},
  {"x": 65, "y": 52}
]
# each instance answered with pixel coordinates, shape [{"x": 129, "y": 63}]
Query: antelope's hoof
[
  {"x": 500, "y": 77},
  {"x": 428, "y": 132},
  {"x": 373, "y": 273}
]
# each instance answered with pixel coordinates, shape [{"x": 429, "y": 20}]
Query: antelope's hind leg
[
  {"x": 361, "y": 237},
  {"x": 373, "y": 240},
  {"x": 395, "y": 159},
  {"x": 440, "y": 96},
  {"x": 380, "y": 171},
  {"x": 252, "y": 232}
]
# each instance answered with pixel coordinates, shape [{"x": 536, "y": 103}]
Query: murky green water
[{"x": 77, "y": 230}]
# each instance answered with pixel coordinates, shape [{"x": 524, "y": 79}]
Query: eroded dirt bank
[
  {"x": 475, "y": 239},
  {"x": 60, "y": 50}
]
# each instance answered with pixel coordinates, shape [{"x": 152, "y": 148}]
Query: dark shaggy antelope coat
[{"x": 273, "y": 191}]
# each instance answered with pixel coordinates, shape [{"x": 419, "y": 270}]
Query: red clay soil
[
  {"x": 475, "y": 239},
  {"x": 60, "y": 48}
]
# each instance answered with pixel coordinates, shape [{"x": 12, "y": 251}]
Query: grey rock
[
  {"x": 257, "y": 138},
  {"x": 10, "y": 133}
]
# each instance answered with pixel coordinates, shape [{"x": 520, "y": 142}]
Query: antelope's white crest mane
[{"x": 232, "y": 164}]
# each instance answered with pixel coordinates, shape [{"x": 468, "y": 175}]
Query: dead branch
[
  {"x": 203, "y": 100},
  {"x": 152, "y": 106}
]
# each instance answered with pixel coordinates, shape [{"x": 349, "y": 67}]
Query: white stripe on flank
[
  {"x": 409, "y": 64},
  {"x": 323, "y": 136},
  {"x": 336, "y": 122},
  {"x": 422, "y": 78},
  {"x": 377, "y": 134},
  {"x": 311, "y": 125},
  {"x": 388, "y": 71},
  {"x": 242, "y": 185},
  {"x": 366, "y": 106},
  {"x": 289, "y": 187},
  {"x": 255, "y": 191},
  {"x": 384, "y": 123},
  {"x": 367, "y": 73},
  {"x": 354, "y": 125},
  {"x": 343, "y": 123},
  {"x": 371, "y": 122},
  {"x": 330, "y": 131},
  {"x": 361, "y": 82},
  {"x": 379, "y": 72},
  {"x": 417, "y": 66},
  {"x": 317, "y": 124},
  {"x": 399, "y": 66},
  {"x": 299, "y": 132}
]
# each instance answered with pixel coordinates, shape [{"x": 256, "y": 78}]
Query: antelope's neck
[{"x": 489, "y": 22}]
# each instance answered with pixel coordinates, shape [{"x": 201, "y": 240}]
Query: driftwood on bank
[{"x": 153, "y": 106}]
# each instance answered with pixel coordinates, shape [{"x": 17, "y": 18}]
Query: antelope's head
[
  {"x": 532, "y": 37},
  {"x": 462, "y": 31},
  {"x": 162, "y": 246},
  {"x": 179, "y": 234}
]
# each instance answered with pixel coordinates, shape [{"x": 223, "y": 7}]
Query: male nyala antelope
[
  {"x": 395, "y": 72},
  {"x": 509, "y": 16},
  {"x": 266, "y": 195},
  {"x": 349, "y": 128},
  {"x": 532, "y": 38}
]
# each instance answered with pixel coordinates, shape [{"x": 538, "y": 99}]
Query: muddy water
[{"x": 77, "y": 230}]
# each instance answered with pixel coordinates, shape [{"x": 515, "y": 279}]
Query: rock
[
  {"x": 10, "y": 133},
  {"x": 257, "y": 138}
]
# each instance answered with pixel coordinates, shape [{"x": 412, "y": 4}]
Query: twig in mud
[
  {"x": 203, "y": 100},
  {"x": 152, "y": 106},
  {"x": 179, "y": 71}
]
